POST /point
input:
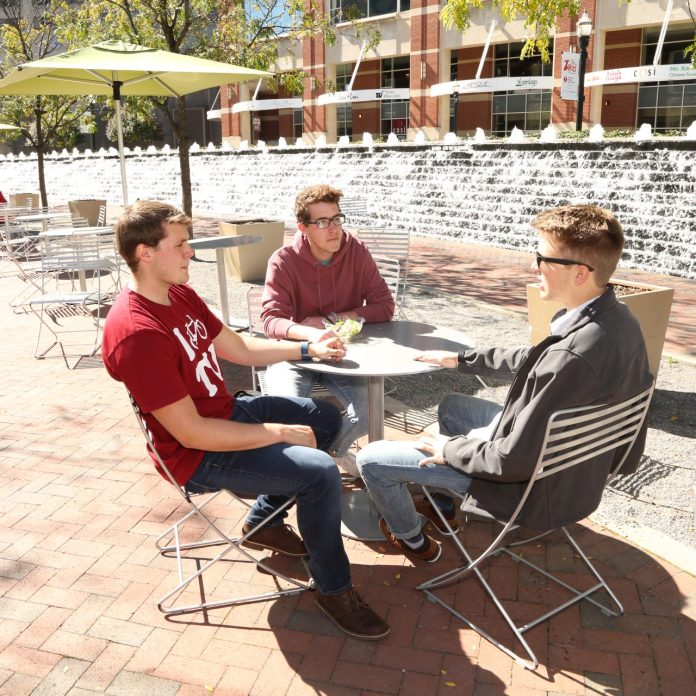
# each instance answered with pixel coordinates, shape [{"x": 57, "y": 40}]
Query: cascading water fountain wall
[{"x": 482, "y": 193}]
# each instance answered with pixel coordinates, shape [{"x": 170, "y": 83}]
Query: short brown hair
[
  {"x": 142, "y": 223},
  {"x": 321, "y": 193},
  {"x": 588, "y": 233}
]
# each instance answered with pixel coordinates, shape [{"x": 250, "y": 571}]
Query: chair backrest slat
[
  {"x": 390, "y": 270},
  {"x": 254, "y": 306}
]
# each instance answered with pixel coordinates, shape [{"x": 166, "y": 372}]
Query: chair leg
[
  {"x": 176, "y": 549},
  {"x": 472, "y": 566}
]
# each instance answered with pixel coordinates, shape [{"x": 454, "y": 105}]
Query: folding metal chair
[
  {"x": 171, "y": 544},
  {"x": 573, "y": 437},
  {"x": 65, "y": 260},
  {"x": 392, "y": 243}
]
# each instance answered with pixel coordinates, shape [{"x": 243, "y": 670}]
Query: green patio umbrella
[{"x": 115, "y": 68}]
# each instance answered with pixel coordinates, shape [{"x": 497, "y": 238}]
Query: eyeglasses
[
  {"x": 561, "y": 262},
  {"x": 324, "y": 223}
]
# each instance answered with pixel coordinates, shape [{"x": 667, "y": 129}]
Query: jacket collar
[{"x": 606, "y": 301}]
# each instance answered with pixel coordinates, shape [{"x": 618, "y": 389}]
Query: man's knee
[{"x": 323, "y": 472}]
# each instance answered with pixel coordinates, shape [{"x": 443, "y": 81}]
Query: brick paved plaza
[{"x": 80, "y": 577}]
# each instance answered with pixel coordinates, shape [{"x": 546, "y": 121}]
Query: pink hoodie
[{"x": 298, "y": 286}]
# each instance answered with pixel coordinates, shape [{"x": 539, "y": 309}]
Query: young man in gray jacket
[{"x": 594, "y": 355}]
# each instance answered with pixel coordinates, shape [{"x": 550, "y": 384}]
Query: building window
[
  {"x": 344, "y": 112},
  {"x": 529, "y": 110},
  {"x": 396, "y": 72},
  {"x": 297, "y": 115},
  {"x": 347, "y": 10},
  {"x": 669, "y": 105}
]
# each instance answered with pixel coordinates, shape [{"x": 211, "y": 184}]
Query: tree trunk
[
  {"x": 38, "y": 111},
  {"x": 184, "y": 163}
]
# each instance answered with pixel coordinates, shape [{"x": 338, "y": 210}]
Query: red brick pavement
[{"x": 80, "y": 577}]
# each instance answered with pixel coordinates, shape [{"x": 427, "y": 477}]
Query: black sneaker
[
  {"x": 425, "y": 509},
  {"x": 429, "y": 551}
]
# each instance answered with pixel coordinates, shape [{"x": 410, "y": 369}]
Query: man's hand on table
[
  {"x": 443, "y": 358},
  {"x": 330, "y": 349},
  {"x": 433, "y": 445}
]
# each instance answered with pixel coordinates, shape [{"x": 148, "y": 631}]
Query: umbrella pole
[{"x": 119, "y": 130}]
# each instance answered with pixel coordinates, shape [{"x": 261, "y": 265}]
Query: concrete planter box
[
  {"x": 650, "y": 306},
  {"x": 87, "y": 208},
  {"x": 249, "y": 262},
  {"x": 29, "y": 200}
]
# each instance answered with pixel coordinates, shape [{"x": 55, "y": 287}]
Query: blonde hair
[{"x": 588, "y": 233}]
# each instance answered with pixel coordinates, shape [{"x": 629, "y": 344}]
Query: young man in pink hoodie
[{"x": 324, "y": 271}]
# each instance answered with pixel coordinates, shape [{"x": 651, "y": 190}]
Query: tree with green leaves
[
  {"x": 48, "y": 123},
  {"x": 234, "y": 31},
  {"x": 540, "y": 17}
]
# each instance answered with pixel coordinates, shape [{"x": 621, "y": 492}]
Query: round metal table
[
  {"x": 381, "y": 350},
  {"x": 219, "y": 243}
]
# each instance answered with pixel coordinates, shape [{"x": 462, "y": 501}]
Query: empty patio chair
[
  {"x": 172, "y": 544},
  {"x": 394, "y": 243},
  {"x": 62, "y": 310},
  {"x": 574, "y": 437}
]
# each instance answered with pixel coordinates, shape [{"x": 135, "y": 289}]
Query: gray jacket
[{"x": 601, "y": 359}]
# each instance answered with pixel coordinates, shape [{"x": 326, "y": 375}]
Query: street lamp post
[
  {"x": 584, "y": 30},
  {"x": 453, "y": 124}
]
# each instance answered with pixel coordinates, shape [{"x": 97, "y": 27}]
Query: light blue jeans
[
  {"x": 388, "y": 467},
  {"x": 285, "y": 379}
]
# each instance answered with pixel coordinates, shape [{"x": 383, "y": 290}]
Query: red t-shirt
[{"x": 162, "y": 354}]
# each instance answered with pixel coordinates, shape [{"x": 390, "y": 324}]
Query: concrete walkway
[{"x": 80, "y": 576}]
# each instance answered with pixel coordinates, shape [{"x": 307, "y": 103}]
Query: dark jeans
[{"x": 277, "y": 472}]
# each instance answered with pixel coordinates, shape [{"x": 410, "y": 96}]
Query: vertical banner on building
[{"x": 570, "y": 69}]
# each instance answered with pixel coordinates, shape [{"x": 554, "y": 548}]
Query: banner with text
[
  {"x": 491, "y": 84},
  {"x": 570, "y": 71},
  {"x": 361, "y": 95},
  {"x": 266, "y": 105},
  {"x": 641, "y": 73}
]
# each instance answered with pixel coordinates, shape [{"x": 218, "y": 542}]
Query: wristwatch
[{"x": 304, "y": 351}]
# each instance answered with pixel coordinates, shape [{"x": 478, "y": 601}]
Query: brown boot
[
  {"x": 429, "y": 551},
  {"x": 348, "y": 611},
  {"x": 425, "y": 509},
  {"x": 283, "y": 539}
]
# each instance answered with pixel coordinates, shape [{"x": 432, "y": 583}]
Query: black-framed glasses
[
  {"x": 561, "y": 262},
  {"x": 324, "y": 223}
]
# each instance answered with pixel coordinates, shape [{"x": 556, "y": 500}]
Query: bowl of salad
[{"x": 346, "y": 328}]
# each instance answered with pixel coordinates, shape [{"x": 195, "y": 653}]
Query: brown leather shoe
[
  {"x": 425, "y": 509},
  {"x": 283, "y": 539},
  {"x": 348, "y": 611},
  {"x": 429, "y": 551}
]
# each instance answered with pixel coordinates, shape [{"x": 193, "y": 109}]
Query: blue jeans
[
  {"x": 388, "y": 467},
  {"x": 276, "y": 472},
  {"x": 285, "y": 379}
]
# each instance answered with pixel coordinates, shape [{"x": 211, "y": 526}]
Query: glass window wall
[
  {"x": 396, "y": 72},
  {"x": 529, "y": 110},
  {"x": 344, "y": 112},
  {"x": 669, "y": 105},
  {"x": 297, "y": 115},
  {"x": 347, "y": 10}
]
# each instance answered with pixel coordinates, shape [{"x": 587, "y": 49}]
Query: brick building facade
[{"x": 417, "y": 52}]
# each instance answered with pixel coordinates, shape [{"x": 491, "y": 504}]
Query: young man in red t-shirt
[{"x": 163, "y": 343}]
